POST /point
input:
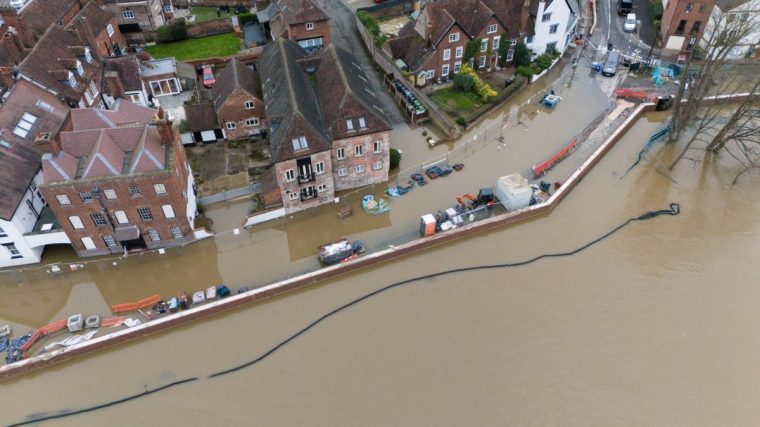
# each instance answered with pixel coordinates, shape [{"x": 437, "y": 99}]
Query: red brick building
[
  {"x": 118, "y": 180},
  {"x": 299, "y": 20},
  {"x": 326, "y": 131},
  {"x": 683, "y": 23},
  {"x": 238, "y": 101},
  {"x": 433, "y": 45}
]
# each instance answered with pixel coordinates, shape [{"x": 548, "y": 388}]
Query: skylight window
[
  {"x": 24, "y": 125},
  {"x": 5, "y": 143},
  {"x": 299, "y": 143},
  {"x": 45, "y": 106}
]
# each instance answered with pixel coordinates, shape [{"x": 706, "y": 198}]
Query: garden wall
[
  {"x": 389, "y": 8},
  {"x": 210, "y": 28}
]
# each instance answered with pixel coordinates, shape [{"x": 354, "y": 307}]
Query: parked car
[
  {"x": 208, "y": 76},
  {"x": 625, "y": 7},
  {"x": 610, "y": 64},
  {"x": 629, "y": 25}
]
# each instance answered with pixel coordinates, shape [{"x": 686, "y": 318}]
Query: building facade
[
  {"x": 555, "y": 24},
  {"x": 683, "y": 23},
  {"x": 238, "y": 101},
  {"x": 120, "y": 187},
  {"x": 299, "y": 20},
  {"x": 134, "y": 17},
  {"x": 725, "y": 13}
]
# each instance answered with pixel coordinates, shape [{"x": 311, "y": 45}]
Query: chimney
[
  {"x": 164, "y": 126},
  {"x": 47, "y": 143},
  {"x": 113, "y": 83}
]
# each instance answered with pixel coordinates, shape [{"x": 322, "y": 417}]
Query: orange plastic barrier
[
  {"x": 636, "y": 94},
  {"x": 112, "y": 321},
  {"x": 148, "y": 302},
  {"x": 53, "y": 327},
  {"x": 120, "y": 308},
  {"x": 35, "y": 336},
  {"x": 540, "y": 168}
]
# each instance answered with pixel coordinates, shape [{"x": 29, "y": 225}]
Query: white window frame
[
  {"x": 362, "y": 123},
  {"x": 71, "y": 80},
  {"x": 377, "y": 147},
  {"x": 454, "y": 37},
  {"x": 168, "y": 211},
  {"x": 359, "y": 150},
  {"x": 109, "y": 30},
  {"x": 290, "y": 175},
  {"x": 110, "y": 194},
  {"x": 110, "y": 241},
  {"x": 87, "y": 96},
  {"x": 94, "y": 89},
  {"x": 321, "y": 188},
  {"x": 249, "y": 105},
  {"x": 546, "y": 17},
  {"x": 429, "y": 74},
  {"x": 495, "y": 43},
  {"x": 13, "y": 250},
  {"x": 553, "y": 28},
  {"x": 309, "y": 26},
  {"x": 88, "y": 243},
  {"x": 63, "y": 199},
  {"x": 492, "y": 29},
  {"x": 145, "y": 214},
  {"x": 482, "y": 61},
  {"x": 231, "y": 125},
  {"x": 359, "y": 169},
  {"x": 340, "y": 153},
  {"x": 121, "y": 217},
  {"x": 76, "y": 222},
  {"x": 154, "y": 235},
  {"x": 349, "y": 124},
  {"x": 377, "y": 166},
  {"x": 80, "y": 68},
  {"x": 319, "y": 168},
  {"x": 159, "y": 188},
  {"x": 128, "y": 14},
  {"x": 176, "y": 231},
  {"x": 251, "y": 122},
  {"x": 457, "y": 66},
  {"x": 444, "y": 70},
  {"x": 98, "y": 219},
  {"x": 510, "y": 55},
  {"x": 459, "y": 51},
  {"x": 342, "y": 172},
  {"x": 484, "y": 44},
  {"x": 446, "y": 54},
  {"x": 293, "y": 196}
]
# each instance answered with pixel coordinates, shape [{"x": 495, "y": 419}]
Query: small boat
[
  {"x": 92, "y": 322},
  {"x": 199, "y": 297},
  {"x": 5, "y": 330},
  {"x": 211, "y": 292},
  {"x": 173, "y": 304},
  {"x": 75, "y": 322},
  {"x": 337, "y": 251}
]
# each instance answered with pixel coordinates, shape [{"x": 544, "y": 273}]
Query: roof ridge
[
  {"x": 139, "y": 149},
  {"x": 93, "y": 153}
]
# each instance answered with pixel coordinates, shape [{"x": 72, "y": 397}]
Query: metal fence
[{"x": 229, "y": 195}]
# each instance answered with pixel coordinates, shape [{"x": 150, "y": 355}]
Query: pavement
[
  {"x": 609, "y": 29},
  {"x": 344, "y": 34}
]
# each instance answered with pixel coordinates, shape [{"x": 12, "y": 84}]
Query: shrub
[
  {"x": 470, "y": 50},
  {"x": 395, "y": 158},
  {"x": 372, "y": 27},
  {"x": 482, "y": 88},
  {"x": 174, "y": 31},
  {"x": 245, "y": 18},
  {"x": 503, "y": 49},
  {"x": 525, "y": 71},
  {"x": 464, "y": 82},
  {"x": 522, "y": 54},
  {"x": 461, "y": 121},
  {"x": 554, "y": 53},
  {"x": 544, "y": 61},
  {"x": 655, "y": 10}
]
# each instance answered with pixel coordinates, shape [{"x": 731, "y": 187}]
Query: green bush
[
  {"x": 174, "y": 31},
  {"x": 245, "y": 18},
  {"x": 544, "y": 61},
  {"x": 470, "y": 50},
  {"x": 372, "y": 27},
  {"x": 522, "y": 54},
  {"x": 395, "y": 158},
  {"x": 464, "y": 82},
  {"x": 461, "y": 121},
  {"x": 525, "y": 71},
  {"x": 503, "y": 49},
  {"x": 655, "y": 10}
]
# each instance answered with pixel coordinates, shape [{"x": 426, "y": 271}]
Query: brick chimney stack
[
  {"x": 47, "y": 142},
  {"x": 114, "y": 85},
  {"x": 164, "y": 126}
]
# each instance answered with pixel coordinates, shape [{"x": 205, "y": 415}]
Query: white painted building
[
  {"x": 556, "y": 21},
  {"x": 727, "y": 11}
]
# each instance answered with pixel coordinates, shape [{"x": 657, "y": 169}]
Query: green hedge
[
  {"x": 174, "y": 31},
  {"x": 245, "y": 18}
]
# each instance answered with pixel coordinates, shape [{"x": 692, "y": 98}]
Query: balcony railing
[
  {"x": 306, "y": 196},
  {"x": 306, "y": 178}
]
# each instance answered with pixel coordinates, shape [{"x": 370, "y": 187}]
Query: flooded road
[{"x": 655, "y": 325}]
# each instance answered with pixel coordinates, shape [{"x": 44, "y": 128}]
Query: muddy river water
[{"x": 656, "y": 325}]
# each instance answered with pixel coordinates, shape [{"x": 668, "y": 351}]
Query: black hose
[{"x": 674, "y": 209}]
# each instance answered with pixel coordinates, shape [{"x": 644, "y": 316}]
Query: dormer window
[
  {"x": 87, "y": 55},
  {"x": 362, "y": 124},
  {"x": 80, "y": 69},
  {"x": 349, "y": 124},
  {"x": 71, "y": 80},
  {"x": 299, "y": 143},
  {"x": 309, "y": 26},
  {"x": 249, "y": 105}
]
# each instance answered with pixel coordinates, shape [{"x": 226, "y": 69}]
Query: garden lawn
[
  {"x": 206, "y": 14},
  {"x": 465, "y": 101},
  {"x": 206, "y": 47}
]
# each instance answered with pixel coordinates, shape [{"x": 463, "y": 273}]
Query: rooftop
[{"x": 155, "y": 67}]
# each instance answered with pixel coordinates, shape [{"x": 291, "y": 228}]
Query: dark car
[{"x": 625, "y": 7}]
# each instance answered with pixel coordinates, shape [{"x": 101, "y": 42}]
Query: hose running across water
[{"x": 674, "y": 209}]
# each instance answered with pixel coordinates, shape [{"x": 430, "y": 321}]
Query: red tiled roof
[
  {"x": 299, "y": 11},
  {"x": 40, "y": 15},
  {"x": 123, "y": 113},
  {"x": 27, "y": 98},
  {"x": 235, "y": 75}
]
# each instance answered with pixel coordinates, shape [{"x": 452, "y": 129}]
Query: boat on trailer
[{"x": 335, "y": 252}]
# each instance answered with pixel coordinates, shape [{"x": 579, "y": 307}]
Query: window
[
  {"x": 551, "y": 46},
  {"x": 15, "y": 253},
  {"x": 429, "y": 74},
  {"x": 546, "y": 17},
  {"x": 76, "y": 222},
  {"x": 3, "y": 233},
  {"x": 292, "y": 196},
  {"x": 689, "y": 7},
  {"x": 445, "y": 70},
  {"x": 80, "y": 69},
  {"x": 110, "y": 193},
  {"x": 309, "y": 26},
  {"x": 342, "y": 172},
  {"x": 168, "y": 211},
  {"x": 98, "y": 219},
  {"x": 681, "y": 27},
  {"x": 320, "y": 168},
  {"x": 378, "y": 147},
  {"x": 510, "y": 54},
  {"x": 695, "y": 27},
  {"x": 553, "y": 28},
  {"x": 93, "y": 88},
  {"x": 109, "y": 30},
  {"x": 153, "y": 234},
  {"x": 159, "y": 188},
  {"x": 359, "y": 169},
  {"x": 495, "y": 44},
  {"x": 88, "y": 243},
  {"x": 165, "y": 87},
  {"x": 453, "y": 37},
  {"x": 45, "y": 106},
  {"x": 359, "y": 150},
  {"x": 349, "y": 124},
  {"x": 231, "y": 125},
  {"x": 88, "y": 96},
  {"x": 252, "y": 122},
  {"x": 127, "y": 14},
  {"x": 168, "y": 8},
  {"x": 145, "y": 214},
  {"x": 529, "y": 40},
  {"x": 446, "y": 54},
  {"x": 362, "y": 123},
  {"x": 109, "y": 241},
  {"x": 134, "y": 191},
  {"x": 457, "y": 66},
  {"x": 322, "y": 187},
  {"x": 472, "y": 62},
  {"x": 341, "y": 153},
  {"x": 176, "y": 232},
  {"x": 290, "y": 175},
  {"x": 491, "y": 28},
  {"x": 377, "y": 166},
  {"x": 459, "y": 52},
  {"x": 299, "y": 143},
  {"x": 24, "y": 125},
  {"x": 63, "y": 199},
  {"x": 482, "y": 62},
  {"x": 88, "y": 54},
  {"x": 484, "y": 45},
  {"x": 121, "y": 217},
  {"x": 249, "y": 105},
  {"x": 86, "y": 197}
]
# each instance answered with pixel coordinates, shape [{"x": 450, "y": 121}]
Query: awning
[
  {"x": 268, "y": 13},
  {"x": 126, "y": 233}
]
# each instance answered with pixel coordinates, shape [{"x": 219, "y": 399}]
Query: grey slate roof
[{"x": 235, "y": 75}]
